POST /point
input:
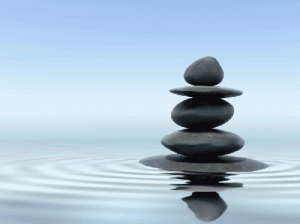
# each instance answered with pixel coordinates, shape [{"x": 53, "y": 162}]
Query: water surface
[{"x": 103, "y": 182}]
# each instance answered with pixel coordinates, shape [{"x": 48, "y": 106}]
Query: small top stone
[{"x": 204, "y": 71}]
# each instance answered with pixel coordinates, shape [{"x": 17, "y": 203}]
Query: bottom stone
[{"x": 175, "y": 162}]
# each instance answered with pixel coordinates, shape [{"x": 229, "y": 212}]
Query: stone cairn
[
  {"x": 200, "y": 147},
  {"x": 203, "y": 112}
]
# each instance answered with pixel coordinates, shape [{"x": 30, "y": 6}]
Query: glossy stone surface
[
  {"x": 202, "y": 114},
  {"x": 203, "y": 143},
  {"x": 206, "y": 91},
  {"x": 175, "y": 162},
  {"x": 204, "y": 71}
]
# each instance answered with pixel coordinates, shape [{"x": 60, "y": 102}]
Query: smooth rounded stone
[
  {"x": 206, "y": 91},
  {"x": 207, "y": 207},
  {"x": 204, "y": 71},
  {"x": 199, "y": 113},
  {"x": 175, "y": 162},
  {"x": 213, "y": 142}
]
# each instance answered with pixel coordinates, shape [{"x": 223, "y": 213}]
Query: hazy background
[{"x": 103, "y": 69}]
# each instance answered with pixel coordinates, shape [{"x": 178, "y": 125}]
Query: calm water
[{"x": 88, "y": 181}]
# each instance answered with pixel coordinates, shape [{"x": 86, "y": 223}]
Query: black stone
[
  {"x": 204, "y": 71},
  {"x": 202, "y": 113},
  {"x": 203, "y": 143},
  {"x": 206, "y": 91},
  {"x": 175, "y": 162}
]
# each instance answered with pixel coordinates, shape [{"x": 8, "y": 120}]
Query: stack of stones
[{"x": 201, "y": 113}]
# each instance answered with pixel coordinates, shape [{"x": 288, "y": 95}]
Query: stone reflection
[
  {"x": 207, "y": 206},
  {"x": 205, "y": 202}
]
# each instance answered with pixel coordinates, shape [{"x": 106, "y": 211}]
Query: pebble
[
  {"x": 203, "y": 143},
  {"x": 221, "y": 164},
  {"x": 202, "y": 114},
  {"x": 204, "y": 71},
  {"x": 206, "y": 91}
]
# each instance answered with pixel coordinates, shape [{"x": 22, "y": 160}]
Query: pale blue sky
[{"x": 74, "y": 64}]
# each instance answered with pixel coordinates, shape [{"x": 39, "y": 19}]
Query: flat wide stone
[
  {"x": 212, "y": 142},
  {"x": 206, "y": 91},
  {"x": 202, "y": 113},
  {"x": 175, "y": 162}
]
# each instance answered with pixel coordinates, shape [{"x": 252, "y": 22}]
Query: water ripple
[{"x": 97, "y": 177}]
